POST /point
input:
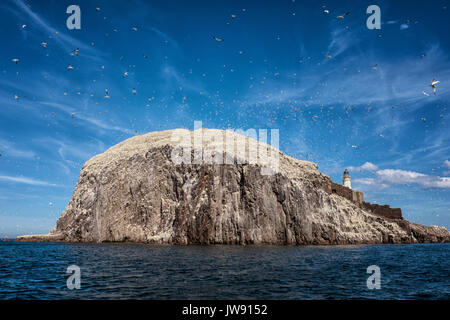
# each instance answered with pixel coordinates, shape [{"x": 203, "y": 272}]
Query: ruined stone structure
[
  {"x": 340, "y": 190},
  {"x": 358, "y": 198},
  {"x": 383, "y": 210}
]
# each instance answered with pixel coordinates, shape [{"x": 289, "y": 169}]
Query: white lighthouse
[{"x": 346, "y": 179}]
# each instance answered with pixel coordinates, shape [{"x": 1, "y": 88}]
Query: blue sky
[{"x": 285, "y": 65}]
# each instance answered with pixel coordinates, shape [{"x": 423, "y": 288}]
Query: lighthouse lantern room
[{"x": 346, "y": 179}]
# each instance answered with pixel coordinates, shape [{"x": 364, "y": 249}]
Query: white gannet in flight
[
  {"x": 433, "y": 84},
  {"x": 217, "y": 39},
  {"x": 342, "y": 16}
]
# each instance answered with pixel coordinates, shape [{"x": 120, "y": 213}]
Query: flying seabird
[
  {"x": 426, "y": 94},
  {"x": 77, "y": 51},
  {"x": 326, "y": 11},
  {"x": 342, "y": 16},
  {"x": 125, "y": 74},
  {"x": 433, "y": 84},
  {"x": 44, "y": 44},
  {"x": 217, "y": 39},
  {"x": 15, "y": 60},
  {"x": 69, "y": 67}
]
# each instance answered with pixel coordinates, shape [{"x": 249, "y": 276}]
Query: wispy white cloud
[
  {"x": 329, "y": 83},
  {"x": 29, "y": 181},
  {"x": 391, "y": 177},
  {"x": 434, "y": 146},
  {"x": 11, "y": 150},
  {"x": 367, "y": 166},
  {"x": 404, "y": 26},
  {"x": 373, "y": 183},
  {"x": 93, "y": 122},
  {"x": 164, "y": 36},
  {"x": 447, "y": 165},
  {"x": 173, "y": 78},
  {"x": 341, "y": 40}
]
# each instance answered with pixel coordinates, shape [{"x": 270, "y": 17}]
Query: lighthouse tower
[{"x": 346, "y": 180}]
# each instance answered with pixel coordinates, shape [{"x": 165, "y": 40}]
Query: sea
[{"x": 50, "y": 271}]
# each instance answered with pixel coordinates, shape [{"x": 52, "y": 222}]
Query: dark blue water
[{"x": 137, "y": 271}]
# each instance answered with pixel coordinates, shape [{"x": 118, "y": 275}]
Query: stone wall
[
  {"x": 383, "y": 210},
  {"x": 358, "y": 198},
  {"x": 352, "y": 195}
]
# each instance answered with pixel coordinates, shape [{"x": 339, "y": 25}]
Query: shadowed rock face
[{"x": 134, "y": 192}]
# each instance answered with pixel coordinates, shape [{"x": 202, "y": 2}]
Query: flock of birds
[{"x": 219, "y": 39}]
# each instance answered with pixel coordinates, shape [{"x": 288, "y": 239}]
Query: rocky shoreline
[{"x": 134, "y": 192}]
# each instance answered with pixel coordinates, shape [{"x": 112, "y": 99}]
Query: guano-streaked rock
[{"x": 134, "y": 192}]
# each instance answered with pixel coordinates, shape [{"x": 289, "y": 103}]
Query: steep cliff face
[{"x": 135, "y": 192}]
